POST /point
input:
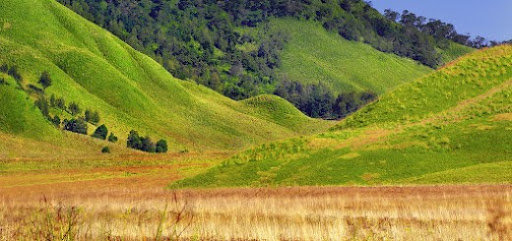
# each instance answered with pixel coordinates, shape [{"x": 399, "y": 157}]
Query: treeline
[
  {"x": 198, "y": 39},
  {"x": 316, "y": 100}
]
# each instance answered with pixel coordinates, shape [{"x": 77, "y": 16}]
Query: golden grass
[{"x": 145, "y": 211}]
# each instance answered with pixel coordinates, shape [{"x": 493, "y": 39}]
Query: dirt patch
[{"x": 502, "y": 117}]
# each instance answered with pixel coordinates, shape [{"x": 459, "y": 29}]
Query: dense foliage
[
  {"x": 203, "y": 40},
  {"x": 76, "y": 125},
  {"x": 101, "y": 132},
  {"x": 142, "y": 143},
  {"x": 317, "y": 101}
]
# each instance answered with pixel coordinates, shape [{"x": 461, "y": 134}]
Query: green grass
[
  {"x": 453, "y": 126},
  {"x": 454, "y": 51},
  {"x": 131, "y": 91},
  {"x": 312, "y": 55}
]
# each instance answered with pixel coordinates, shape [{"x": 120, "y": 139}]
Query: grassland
[
  {"x": 98, "y": 71},
  {"x": 443, "y": 128},
  {"x": 117, "y": 212},
  {"x": 312, "y": 55},
  {"x": 454, "y": 51}
]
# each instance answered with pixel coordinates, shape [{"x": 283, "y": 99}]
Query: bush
[
  {"x": 112, "y": 138},
  {"x": 161, "y": 146},
  {"x": 92, "y": 117},
  {"x": 100, "y": 132},
  {"x": 3, "y": 82},
  {"x": 42, "y": 104},
  {"x": 4, "y": 68},
  {"x": 45, "y": 80},
  {"x": 105, "y": 150},
  {"x": 76, "y": 125},
  {"x": 74, "y": 109},
  {"x": 56, "y": 121},
  {"x": 134, "y": 140},
  {"x": 13, "y": 71},
  {"x": 60, "y": 103},
  {"x": 148, "y": 145}
]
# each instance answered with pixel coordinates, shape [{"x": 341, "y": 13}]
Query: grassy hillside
[
  {"x": 454, "y": 51},
  {"x": 131, "y": 91},
  {"x": 453, "y": 126},
  {"x": 312, "y": 55}
]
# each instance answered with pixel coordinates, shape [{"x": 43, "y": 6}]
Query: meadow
[
  {"x": 314, "y": 55},
  {"x": 128, "y": 210}
]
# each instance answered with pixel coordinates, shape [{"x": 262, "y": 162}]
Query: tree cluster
[
  {"x": 142, "y": 143},
  {"x": 77, "y": 125},
  {"x": 316, "y": 100}
]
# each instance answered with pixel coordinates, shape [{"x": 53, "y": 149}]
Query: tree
[
  {"x": 42, "y": 104},
  {"x": 60, "y": 103},
  {"x": 391, "y": 15},
  {"x": 56, "y": 121},
  {"x": 13, "y": 71},
  {"x": 76, "y": 125},
  {"x": 105, "y": 149},
  {"x": 161, "y": 146},
  {"x": 53, "y": 101},
  {"x": 74, "y": 109},
  {"x": 101, "y": 132},
  {"x": 4, "y": 68},
  {"x": 112, "y": 138},
  {"x": 147, "y": 144},
  {"x": 92, "y": 117},
  {"x": 45, "y": 80},
  {"x": 134, "y": 141}
]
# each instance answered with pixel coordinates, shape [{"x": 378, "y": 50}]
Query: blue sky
[{"x": 491, "y": 19}]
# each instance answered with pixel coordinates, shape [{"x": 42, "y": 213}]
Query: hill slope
[
  {"x": 312, "y": 55},
  {"x": 443, "y": 128},
  {"x": 98, "y": 71}
]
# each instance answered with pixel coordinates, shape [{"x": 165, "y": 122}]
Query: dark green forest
[{"x": 197, "y": 40}]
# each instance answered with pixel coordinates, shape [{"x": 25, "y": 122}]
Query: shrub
[
  {"x": 56, "y": 121},
  {"x": 4, "y": 68},
  {"x": 45, "y": 80},
  {"x": 76, "y": 125},
  {"x": 60, "y": 103},
  {"x": 148, "y": 145},
  {"x": 13, "y": 71},
  {"x": 42, "y": 104},
  {"x": 3, "y": 82},
  {"x": 92, "y": 117},
  {"x": 105, "y": 149},
  {"x": 53, "y": 101},
  {"x": 100, "y": 132},
  {"x": 112, "y": 138},
  {"x": 161, "y": 146},
  {"x": 134, "y": 140},
  {"x": 74, "y": 109}
]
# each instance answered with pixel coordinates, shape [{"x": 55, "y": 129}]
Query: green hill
[
  {"x": 98, "y": 71},
  {"x": 312, "y": 55},
  {"x": 453, "y": 126},
  {"x": 454, "y": 51}
]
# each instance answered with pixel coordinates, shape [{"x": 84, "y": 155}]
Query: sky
[{"x": 491, "y": 19}]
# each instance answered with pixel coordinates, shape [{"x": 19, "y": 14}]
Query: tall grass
[{"x": 309, "y": 213}]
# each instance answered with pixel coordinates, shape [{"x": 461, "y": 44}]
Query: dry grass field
[{"x": 91, "y": 205}]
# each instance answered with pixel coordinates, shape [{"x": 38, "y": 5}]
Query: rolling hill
[
  {"x": 312, "y": 55},
  {"x": 98, "y": 71},
  {"x": 452, "y": 126}
]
